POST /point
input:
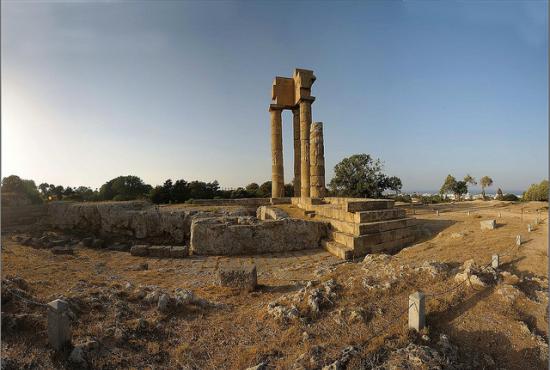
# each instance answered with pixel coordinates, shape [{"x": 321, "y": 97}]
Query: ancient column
[
  {"x": 305, "y": 123},
  {"x": 297, "y": 151},
  {"x": 277, "y": 174},
  {"x": 317, "y": 161}
]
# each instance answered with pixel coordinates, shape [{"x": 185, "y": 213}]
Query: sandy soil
[{"x": 500, "y": 325}]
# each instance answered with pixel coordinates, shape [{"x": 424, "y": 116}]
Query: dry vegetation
[{"x": 500, "y": 325}]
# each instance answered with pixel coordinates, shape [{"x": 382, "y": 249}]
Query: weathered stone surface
[
  {"x": 179, "y": 252},
  {"x": 488, "y": 224},
  {"x": 270, "y": 213},
  {"x": 139, "y": 250},
  {"x": 59, "y": 330},
  {"x": 231, "y": 236},
  {"x": 159, "y": 251},
  {"x": 242, "y": 277}
]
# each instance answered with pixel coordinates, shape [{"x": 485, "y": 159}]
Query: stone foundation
[{"x": 241, "y": 235}]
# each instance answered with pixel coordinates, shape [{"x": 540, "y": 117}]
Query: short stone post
[
  {"x": 518, "y": 240},
  {"x": 499, "y": 214},
  {"x": 437, "y": 212},
  {"x": 468, "y": 213},
  {"x": 417, "y": 311},
  {"x": 529, "y": 228},
  {"x": 59, "y": 329},
  {"x": 495, "y": 261}
]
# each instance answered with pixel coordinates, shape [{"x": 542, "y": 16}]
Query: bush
[
  {"x": 537, "y": 192},
  {"x": 23, "y": 188}
]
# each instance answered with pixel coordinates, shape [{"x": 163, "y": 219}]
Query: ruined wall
[
  {"x": 247, "y": 235},
  {"x": 135, "y": 220},
  {"x": 248, "y": 202},
  {"x": 22, "y": 215}
]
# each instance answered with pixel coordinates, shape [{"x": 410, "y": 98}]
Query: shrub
[
  {"x": 509, "y": 197},
  {"x": 537, "y": 192}
]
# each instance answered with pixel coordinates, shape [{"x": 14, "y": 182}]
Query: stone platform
[{"x": 360, "y": 226}]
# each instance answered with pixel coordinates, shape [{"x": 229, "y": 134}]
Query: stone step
[
  {"x": 331, "y": 211},
  {"x": 381, "y": 226},
  {"x": 360, "y": 204},
  {"x": 387, "y": 247},
  {"x": 363, "y": 242},
  {"x": 367, "y": 228},
  {"x": 337, "y": 249}
]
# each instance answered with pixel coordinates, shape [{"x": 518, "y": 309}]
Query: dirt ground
[{"x": 501, "y": 323}]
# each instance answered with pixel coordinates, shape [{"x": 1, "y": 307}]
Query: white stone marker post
[
  {"x": 59, "y": 329},
  {"x": 437, "y": 212},
  {"x": 499, "y": 214},
  {"x": 468, "y": 213},
  {"x": 518, "y": 240},
  {"x": 495, "y": 261},
  {"x": 417, "y": 311},
  {"x": 528, "y": 228}
]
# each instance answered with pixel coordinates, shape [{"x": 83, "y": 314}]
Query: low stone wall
[
  {"x": 22, "y": 215},
  {"x": 247, "y": 235},
  {"x": 270, "y": 213},
  {"x": 246, "y": 202},
  {"x": 135, "y": 220}
]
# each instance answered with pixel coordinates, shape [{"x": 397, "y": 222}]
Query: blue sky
[{"x": 176, "y": 90}]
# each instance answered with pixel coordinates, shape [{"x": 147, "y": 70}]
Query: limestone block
[
  {"x": 270, "y": 213},
  {"x": 417, "y": 311},
  {"x": 159, "y": 251},
  {"x": 139, "y": 250},
  {"x": 488, "y": 224},
  {"x": 59, "y": 329},
  {"x": 242, "y": 277},
  {"x": 179, "y": 252}
]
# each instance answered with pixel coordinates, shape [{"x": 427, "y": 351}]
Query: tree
[
  {"x": 180, "y": 191},
  {"x": 485, "y": 181},
  {"x": 499, "y": 194},
  {"x": 359, "y": 176},
  {"x": 537, "y": 192},
  {"x": 448, "y": 185},
  {"x": 124, "y": 188},
  {"x": 460, "y": 188},
  {"x": 44, "y": 189},
  {"x": 58, "y": 192},
  {"x": 394, "y": 183},
  {"x": 265, "y": 189},
  {"x": 24, "y": 188},
  {"x": 470, "y": 180}
]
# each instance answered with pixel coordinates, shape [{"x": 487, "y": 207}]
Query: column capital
[{"x": 310, "y": 99}]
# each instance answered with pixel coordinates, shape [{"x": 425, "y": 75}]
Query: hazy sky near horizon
[{"x": 94, "y": 90}]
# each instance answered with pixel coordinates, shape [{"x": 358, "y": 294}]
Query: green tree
[
  {"x": 25, "y": 188},
  {"x": 394, "y": 183},
  {"x": 448, "y": 185},
  {"x": 485, "y": 182},
  {"x": 265, "y": 189},
  {"x": 459, "y": 189},
  {"x": 124, "y": 188},
  {"x": 538, "y": 192},
  {"x": 470, "y": 180},
  {"x": 44, "y": 189},
  {"x": 359, "y": 176}
]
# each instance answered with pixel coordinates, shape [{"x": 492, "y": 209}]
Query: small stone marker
[
  {"x": 468, "y": 213},
  {"x": 417, "y": 311},
  {"x": 437, "y": 212},
  {"x": 495, "y": 261},
  {"x": 488, "y": 224},
  {"x": 243, "y": 277},
  {"x": 499, "y": 214},
  {"x": 59, "y": 329},
  {"x": 518, "y": 240},
  {"x": 529, "y": 228}
]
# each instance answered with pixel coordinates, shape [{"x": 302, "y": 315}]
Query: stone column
[
  {"x": 297, "y": 151},
  {"x": 317, "y": 161},
  {"x": 277, "y": 172},
  {"x": 305, "y": 123}
]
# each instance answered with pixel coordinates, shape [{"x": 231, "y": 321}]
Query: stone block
[
  {"x": 242, "y": 277},
  {"x": 59, "y": 329},
  {"x": 417, "y": 311},
  {"x": 488, "y": 224},
  {"x": 159, "y": 251},
  {"x": 139, "y": 250},
  {"x": 179, "y": 251}
]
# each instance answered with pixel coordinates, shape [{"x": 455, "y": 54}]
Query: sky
[{"x": 95, "y": 90}]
